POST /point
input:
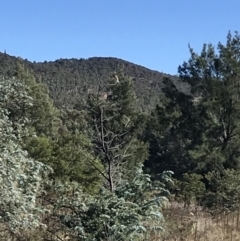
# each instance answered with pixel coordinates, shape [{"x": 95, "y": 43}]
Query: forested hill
[
  {"x": 65, "y": 172},
  {"x": 69, "y": 80}
]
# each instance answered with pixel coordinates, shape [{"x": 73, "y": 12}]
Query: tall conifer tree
[{"x": 214, "y": 76}]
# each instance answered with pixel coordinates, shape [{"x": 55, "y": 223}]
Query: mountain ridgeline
[{"x": 70, "y": 80}]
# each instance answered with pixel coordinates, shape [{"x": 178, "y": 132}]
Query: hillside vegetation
[
  {"x": 70, "y": 80},
  {"x": 103, "y": 150}
]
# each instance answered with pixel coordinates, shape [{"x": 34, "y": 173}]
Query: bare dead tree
[{"x": 111, "y": 144}]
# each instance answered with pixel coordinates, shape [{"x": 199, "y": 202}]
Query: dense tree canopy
[
  {"x": 214, "y": 75},
  {"x": 100, "y": 167}
]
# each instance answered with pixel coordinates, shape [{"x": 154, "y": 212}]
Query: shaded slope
[{"x": 69, "y": 80}]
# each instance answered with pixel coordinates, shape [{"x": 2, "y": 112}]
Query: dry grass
[
  {"x": 194, "y": 224},
  {"x": 181, "y": 224}
]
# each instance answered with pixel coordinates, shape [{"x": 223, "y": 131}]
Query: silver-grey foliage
[
  {"x": 21, "y": 177},
  {"x": 128, "y": 214}
]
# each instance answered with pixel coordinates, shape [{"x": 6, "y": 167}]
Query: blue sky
[{"x": 152, "y": 33}]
